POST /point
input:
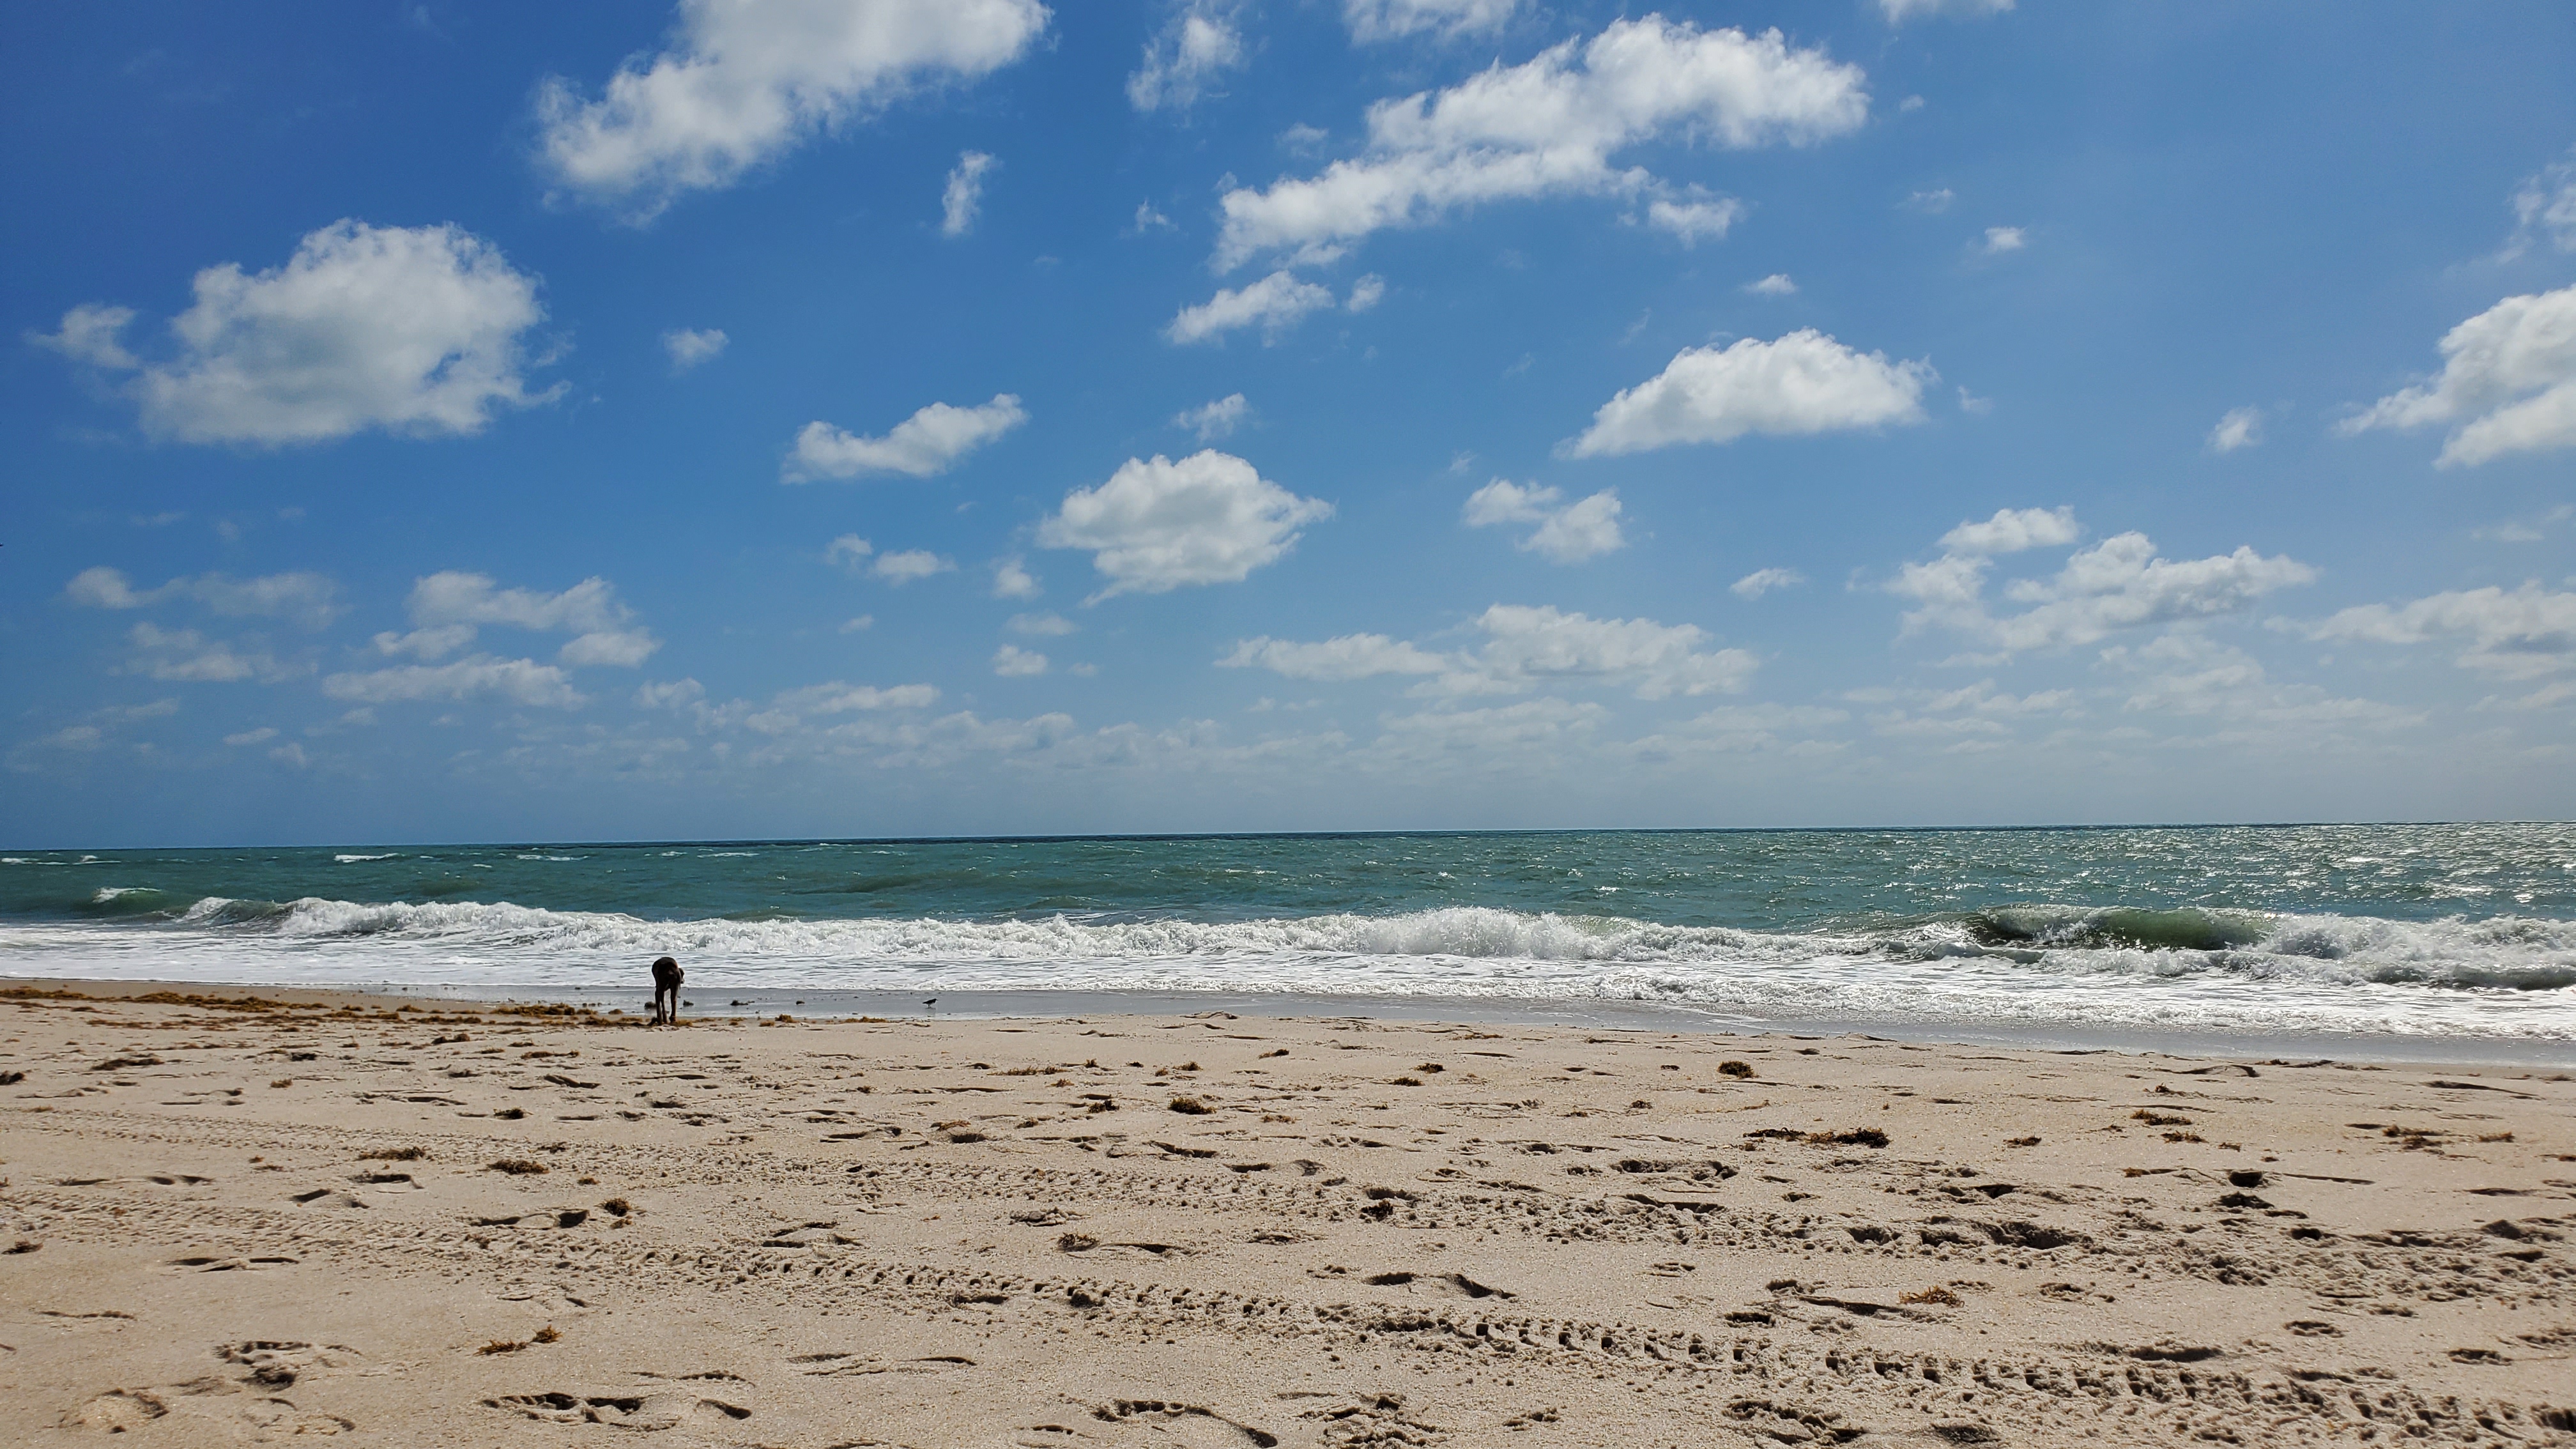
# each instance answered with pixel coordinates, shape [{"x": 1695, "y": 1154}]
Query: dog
[{"x": 667, "y": 976}]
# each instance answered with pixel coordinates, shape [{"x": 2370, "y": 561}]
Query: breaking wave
[{"x": 2502, "y": 976}]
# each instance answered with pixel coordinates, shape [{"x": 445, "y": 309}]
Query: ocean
[{"x": 2435, "y": 933}]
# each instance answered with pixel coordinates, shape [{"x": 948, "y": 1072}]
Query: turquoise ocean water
[{"x": 2439, "y": 931}]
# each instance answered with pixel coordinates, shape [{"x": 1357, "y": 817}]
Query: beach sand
[{"x": 229, "y": 1221}]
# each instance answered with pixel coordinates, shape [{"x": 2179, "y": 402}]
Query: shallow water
[{"x": 2442, "y": 931}]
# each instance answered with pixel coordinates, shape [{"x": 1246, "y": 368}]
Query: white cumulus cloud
[
  {"x": 1567, "y": 532},
  {"x": 1182, "y": 64},
  {"x": 1547, "y": 127},
  {"x": 1042, "y": 626},
  {"x": 1775, "y": 285},
  {"x": 1376, "y": 20},
  {"x": 744, "y": 81},
  {"x": 1805, "y": 382},
  {"x": 2507, "y": 385},
  {"x": 186, "y": 656},
  {"x": 447, "y": 608},
  {"x": 1900, "y": 11},
  {"x": 1214, "y": 420},
  {"x": 2013, "y": 530},
  {"x": 520, "y": 681},
  {"x": 964, "y": 193},
  {"x": 1012, "y": 580},
  {"x": 1694, "y": 215},
  {"x": 2119, "y": 583},
  {"x": 1525, "y": 648},
  {"x": 417, "y": 331},
  {"x": 1275, "y": 303},
  {"x": 1157, "y": 525},
  {"x": 2002, "y": 239},
  {"x": 689, "y": 346},
  {"x": 2544, "y": 208},
  {"x": 2240, "y": 428},
  {"x": 1013, "y": 662},
  {"x": 909, "y": 565},
  {"x": 1351, "y": 656},
  {"x": 928, "y": 443},
  {"x": 308, "y": 599},
  {"x": 2517, "y": 634},
  {"x": 1762, "y": 581}
]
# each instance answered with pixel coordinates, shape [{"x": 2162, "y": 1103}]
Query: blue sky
[{"x": 860, "y": 417}]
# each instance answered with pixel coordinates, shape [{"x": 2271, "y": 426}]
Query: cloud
[
  {"x": 1529, "y": 646},
  {"x": 1585, "y": 529},
  {"x": 2544, "y": 208},
  {"x": 1042, "y": 626},
  {"x": 788, "y": 711},
  {"x": 1775, "y": 285},
  {"x": 93, "y": 734},
  {"x": 1013, "y": 662},
  {"x": 262, "y": 735},
  {"x": 520, "y": 681},
  {"x": 964, "y": 193},
  {"x": 901, "y": 567},
  {"x": 1182, "y": 63},
  {"x": 1012, "y": 580},
  {"x": 186, "y": 656},
  {"x": 672, "y": 695},
  {"x": 89, "y": 334},
  {"x": 2520, "y": 634},
  {"x": 455, "y": 597},
  {"x": 2002, "y": 239},
  {"x": 928, "y": 443},
  {"x": 690, "y": 346},
  {"x": 447, "y": 608},
  {"x": 2508, "y": 384},
  {"x": 909, "y": 565},
  {"x": 1277, "y": 302},
  {"x": 1351, "y": 656},
  {"x": 1762, "y": 581},
  {"x": 1367, "y": 292},
  {"x": 2240, "y": 428},
  {"x": 2012, "y": 530},
  {"x": 858, "y": 622},
  {"x": 1525, "y": 648},
  {"x": 428, "y": 645},
  {"x": 1148, "y": 219},
  {"x": 414, "y": 330},
  {"x": 1157, "y": 525},
  {"x": 1804, "y": 383},
  {"x": 307, "y": 599},
  {"x": 1900, "y": 11},
  {"x": 1214, "y": 420},
  {"x": 1931, "y": 203},
  {"x": 1377, "y": 20},
  {"x": 1695, "y": 215},
  {"x": 1549, "y": 127},
  {"x": 2184, "y": 672},
  {"x": 618, "y": 648},
  {"x": 745, "y": 81},
  {"x": 2116, "y": 584}
]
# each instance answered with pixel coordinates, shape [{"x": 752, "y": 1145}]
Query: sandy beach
[{"x": 237, "y": 1219}]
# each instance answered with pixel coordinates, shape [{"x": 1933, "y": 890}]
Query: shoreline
[{"x": 1602, "y": 1014}]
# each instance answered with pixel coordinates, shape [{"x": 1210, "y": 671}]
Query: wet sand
[{"x": 232, "y": 1220}]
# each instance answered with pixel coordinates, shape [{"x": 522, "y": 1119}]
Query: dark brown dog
[{"x": 667, "y": 976}]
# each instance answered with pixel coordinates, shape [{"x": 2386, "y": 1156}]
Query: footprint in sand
[
  {"x": 661, "y": 1409},
  {"x": 1162, "y": 1422}
]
